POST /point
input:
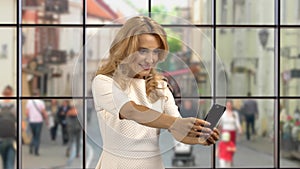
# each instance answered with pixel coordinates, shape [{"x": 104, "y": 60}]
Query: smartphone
[{"x": 214, "y": 115}]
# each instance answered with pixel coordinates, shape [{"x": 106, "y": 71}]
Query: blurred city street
[
  {"x": 256, "y": 153},
  {"x": 52, "y": 154}
]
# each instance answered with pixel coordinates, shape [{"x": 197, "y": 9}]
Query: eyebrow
[{"x": 147, "y": 48}]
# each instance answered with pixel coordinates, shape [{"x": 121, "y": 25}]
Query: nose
[{"x": 149, "y": 58}]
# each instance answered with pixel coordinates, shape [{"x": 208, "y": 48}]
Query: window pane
[
  {"x": 257, "y": 151},
  {"x": 248, "y": 59},
  {"x": 97, "y": 47},
  {"x": 289, "y": 133},
  {"x": 114, "y": 12},
  {"x": 58, "y": 141},
  {"x": 188, "y": 64},
  {"x": 181, "y": 11},
  {"x": 49, "y": 54},
  {"x": 290, "y": 12},
  {"x": 245, "y": 12},
  {"x": 52, "y": 11},
  {"x": 289, "y": 62},
  {"x": 8, "y": 57},
  {"x": 8, "y": 11}
]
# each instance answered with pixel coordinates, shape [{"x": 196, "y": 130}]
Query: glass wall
[{"x": 242, "y": 51}]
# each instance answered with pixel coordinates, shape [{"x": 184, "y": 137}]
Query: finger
[
  {"x": 216, "y": 131},
  {"x": 215, "y": 136},
  {"x": 212, "y": 140},
  {"x": 203, "y": 129},
  {"x": 204, "y": 141},
  {"x": 201, "y": 122}
]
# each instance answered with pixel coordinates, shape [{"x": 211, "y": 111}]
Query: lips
[{"x": 146, "y": 67}]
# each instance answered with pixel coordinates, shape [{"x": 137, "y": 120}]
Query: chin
[{"x": 144, "y": 73}]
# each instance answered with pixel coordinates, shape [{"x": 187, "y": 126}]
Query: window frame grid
[{"x": 276, "y": 98}]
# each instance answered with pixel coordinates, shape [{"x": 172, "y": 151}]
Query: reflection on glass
[
  {"x": 8, "y": 12},
  {"x": 289, "y": 62},
  {"x": 48, "y": 58},
  {"x": 51, "y": 11},
  {"x": 288, "y": 17},
  {"x": 245, "y": 12},
  {"x": 8, "y": 58},
  {"x": 289, "y": 133},
  {"x": 53, "y": 139},
  {"x": 253, "y": 132},
  {"x": 248, "y": 66}
]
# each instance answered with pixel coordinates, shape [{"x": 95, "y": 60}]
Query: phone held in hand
[{"x": 214, "y": 115}]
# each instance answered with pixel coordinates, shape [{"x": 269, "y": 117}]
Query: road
[
  {"x": 257, "y": 153},
  {"x": 253, "y": 154}
]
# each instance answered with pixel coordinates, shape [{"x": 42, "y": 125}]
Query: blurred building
[
  {"x": 247, "y": 54},
  {"x": 8, "y": 53},
  {"x": 54, "y": 51}
]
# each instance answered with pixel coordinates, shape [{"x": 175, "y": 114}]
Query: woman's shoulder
[{"x": 100, "y": 78}]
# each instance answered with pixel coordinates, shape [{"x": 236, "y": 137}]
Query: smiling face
[{"x": 147, "y": 55}]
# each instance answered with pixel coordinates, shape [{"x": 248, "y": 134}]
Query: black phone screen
[{"x": 214, "y": 115}]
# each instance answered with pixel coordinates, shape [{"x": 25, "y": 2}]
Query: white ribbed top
[{"x": 126, "y": 143}]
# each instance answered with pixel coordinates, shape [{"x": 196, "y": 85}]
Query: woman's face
[
  {"x": 147, "y": 55},
  {"x": 229, "y": 105}
]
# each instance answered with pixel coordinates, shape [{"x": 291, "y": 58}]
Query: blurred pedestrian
[
  {"x": 250, "y": 111},
  {"x": 225, "y": 150},
  {"x": 188, "y": 109},
  {"x": 61, "y": 120},
  {"x": 8, "y": 129},
  {"x": 74, "y": 132},
  {"x": 230, "y": 122},
  {"x": 36, "y": 114},
  {"x": 53, "y": 109}
]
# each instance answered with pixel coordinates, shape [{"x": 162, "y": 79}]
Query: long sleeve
[{"x": 107, "y": 95}]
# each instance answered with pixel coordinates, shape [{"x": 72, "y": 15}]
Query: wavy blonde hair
[{"x": 126, "y": 44}]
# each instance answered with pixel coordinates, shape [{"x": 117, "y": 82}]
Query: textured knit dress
[{"x": 127, "y": 144}]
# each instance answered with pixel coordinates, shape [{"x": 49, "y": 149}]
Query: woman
[
  {"x": 133, "y": 101},
  {"x": 230, "y": 122},
  {"x": 36, "y": 114}
]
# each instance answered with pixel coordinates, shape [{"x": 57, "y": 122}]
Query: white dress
[{"x": 127, "y": 144}]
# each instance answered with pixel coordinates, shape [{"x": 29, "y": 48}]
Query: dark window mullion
[
  {"x": 84, "y": 13},
  {"x": 277, "y": 84},
  {"x": 213, "y": 153},
  {"x": 19, "y": 82},
  {"x": 149, "y": 8}
]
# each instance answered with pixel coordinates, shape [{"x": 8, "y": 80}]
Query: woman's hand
[
  {"x": 205, "y": 140},
  {"x": 190, "y": 127}
]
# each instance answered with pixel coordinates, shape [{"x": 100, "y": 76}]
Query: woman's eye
[
  {"x": 143, "y": 51},
  {"x": 156, "y": 52}
]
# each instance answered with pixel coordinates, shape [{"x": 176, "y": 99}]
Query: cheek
[{"x": 155, "y": 59}]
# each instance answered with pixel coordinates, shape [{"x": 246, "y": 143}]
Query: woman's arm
[
  {"x": 111, "y": 98},
  {"x": 187, "y": 130}
]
